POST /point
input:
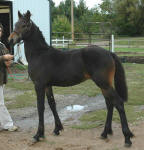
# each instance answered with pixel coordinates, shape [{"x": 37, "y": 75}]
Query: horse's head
[{"x": 22, "y": 28}]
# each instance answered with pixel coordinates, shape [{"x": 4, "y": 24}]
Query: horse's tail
[{"x": 119, "y": 78}]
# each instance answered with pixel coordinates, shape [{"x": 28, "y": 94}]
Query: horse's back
[
  {"x": 97, "y": 59},
  {"x": 96, "y": 54}
]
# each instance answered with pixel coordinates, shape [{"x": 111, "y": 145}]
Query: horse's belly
[
  {"x": 67, "y": 81},
  {"x": 65, "y": 84}
]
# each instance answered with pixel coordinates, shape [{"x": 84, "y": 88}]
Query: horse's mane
[{"x": 42, "y": 42}]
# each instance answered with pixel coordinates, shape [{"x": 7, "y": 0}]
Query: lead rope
[{"x": 19, "y": 56}]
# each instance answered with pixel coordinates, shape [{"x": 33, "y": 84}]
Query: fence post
[
  {"x": 112, "y": 44},
  {"x": 63, "y": 42},
  {"x": 56, "y": 42}
]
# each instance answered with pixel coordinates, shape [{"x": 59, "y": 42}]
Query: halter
[
  {"x": 31, "y": 23},
  {"x": 21, "y": 42}
]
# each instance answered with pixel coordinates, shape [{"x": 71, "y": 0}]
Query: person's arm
[
  {"x": 1, "y": 58},
  {"x": 4, "y": 48},
  {"x": 6, "y": 57}
]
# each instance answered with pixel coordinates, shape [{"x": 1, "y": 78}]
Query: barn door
[{"x": 6, "y": 20}]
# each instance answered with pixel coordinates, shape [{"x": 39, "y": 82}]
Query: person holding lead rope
[{"x": 6, "y": 122}]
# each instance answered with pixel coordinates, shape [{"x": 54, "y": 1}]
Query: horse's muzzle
[{"x": 14, "y": 38}]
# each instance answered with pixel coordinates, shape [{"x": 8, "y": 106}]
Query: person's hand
[
  {"x": 8, "y": 63},
  {"x": 8, "y": 57}
]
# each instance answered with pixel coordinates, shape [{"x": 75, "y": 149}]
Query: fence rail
[
  {"x": 82, "y": 40},
  {"x": 61, "y": 42}
]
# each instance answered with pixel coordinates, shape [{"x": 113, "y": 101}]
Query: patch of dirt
[
  {"x": 27, "y": 118},
  {"x": 132, "y": 59},
  {"x": 72, "y": 139}
]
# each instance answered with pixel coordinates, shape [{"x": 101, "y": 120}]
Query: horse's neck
[{"x": 35, "y": 45}]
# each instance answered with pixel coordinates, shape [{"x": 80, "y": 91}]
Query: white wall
[{"x": 40, "y": 15}]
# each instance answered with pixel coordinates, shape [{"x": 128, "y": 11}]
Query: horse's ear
[
  {"x": 28, "y": 15},
  {"x": 19, "y": 14}
]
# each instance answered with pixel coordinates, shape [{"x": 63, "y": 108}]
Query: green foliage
[
  {"x": 126, "y": 16},
  {"x": 129, "y": 17},
  {"x": 81, "y": 9},
  {"x": 82, "y": 15},
  {"x": 65, "y": 8},
  {"x": 61, "y": 24},
  {"x": 19, "y": 67}
]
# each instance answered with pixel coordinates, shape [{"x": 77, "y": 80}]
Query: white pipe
[{"x": 112, "y": 46}]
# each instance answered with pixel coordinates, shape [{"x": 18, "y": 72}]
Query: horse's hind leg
[
  {"x": 101, "y": 81},
  {"x": 108, "y": 124},
  {"x": 52, "y": 104},
  {"x": 111, "y": 95}
]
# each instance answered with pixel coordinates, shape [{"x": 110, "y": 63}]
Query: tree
[
  {"x": 65, "y": 8},
  {"x": 81, "y": 9},
  {"x": 61, "y": 24},
  {"x": 129, "y": 16}
]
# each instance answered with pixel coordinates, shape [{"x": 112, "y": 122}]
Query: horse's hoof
[
  {"x": 56, "y": 133},
  {"x": 103, "y": 137},
  {"x": 32, "y": 142},
  {"x": 41, "y": 138},
  {"x": 132, "y": 135},
  {"x": 128, "y": 144},
  {"x": 110, "y": 132}
]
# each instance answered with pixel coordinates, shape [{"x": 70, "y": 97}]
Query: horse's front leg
[
  {"x": 52, "y": 104},
  {"x": 40, "y": 91}
]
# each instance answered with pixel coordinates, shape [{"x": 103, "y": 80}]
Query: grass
[
  {"x": 19, "y": 67},
  {"x": 129, "y": 49},
  {"x": 130, "y": 42},
  {"x": 28, "y": 99},
  {"x": 23, "y": 85},
  {"x": 130, "y": 55},
  {"x": 97, "y": 118},
  {"x": 86, "y": 88},
  {"x": 135, "y": 80}
]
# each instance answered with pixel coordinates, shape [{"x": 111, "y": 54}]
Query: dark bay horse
[{"x": 49, "y": 67}]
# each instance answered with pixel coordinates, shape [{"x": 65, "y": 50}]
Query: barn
[{"x": 40, "y": 11}]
